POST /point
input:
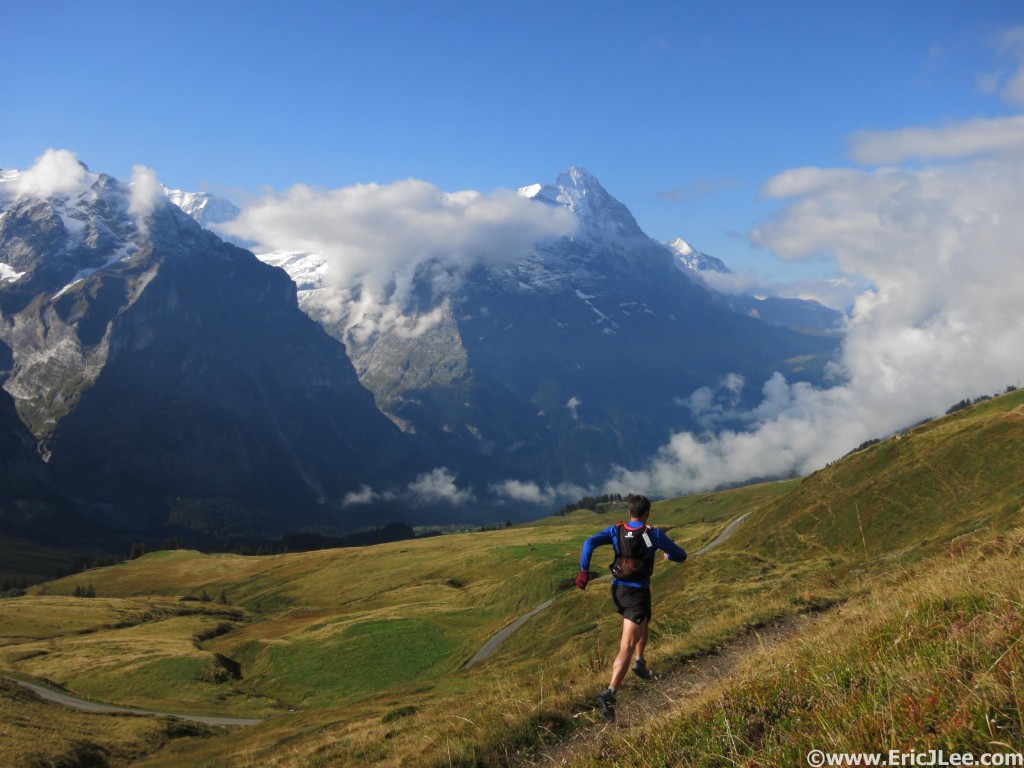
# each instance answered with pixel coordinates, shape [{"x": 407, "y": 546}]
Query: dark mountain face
[
  {"x": 562, "y": 383},
  {"x": 578, "y": 357},
  {"x": 164, "y": 371}
]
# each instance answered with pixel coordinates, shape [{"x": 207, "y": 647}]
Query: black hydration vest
[{"x": 635, "y": 560}]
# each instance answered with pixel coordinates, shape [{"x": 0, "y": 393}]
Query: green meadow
[{"x": 907, "y": 555}]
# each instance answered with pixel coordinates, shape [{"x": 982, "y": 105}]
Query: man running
[{"x": 634, "y": 543}]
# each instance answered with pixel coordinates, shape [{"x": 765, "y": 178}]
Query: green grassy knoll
[{"x": 367, "y": 645}]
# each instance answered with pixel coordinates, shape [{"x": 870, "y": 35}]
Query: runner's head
[{"x": 639, "y": 508}]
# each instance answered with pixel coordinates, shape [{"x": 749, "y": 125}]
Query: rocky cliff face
[
  {"x": 32, "y": 503},
  {"x": 160, "y": 368}
]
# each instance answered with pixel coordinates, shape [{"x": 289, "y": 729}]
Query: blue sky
[
  {"x": 683, "y": 110},
  {"x": 880, "y": 142}
]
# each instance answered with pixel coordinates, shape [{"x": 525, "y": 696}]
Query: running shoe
[
  {"x": 640, "y": 669},
  {"x": 607, "y": 701}
]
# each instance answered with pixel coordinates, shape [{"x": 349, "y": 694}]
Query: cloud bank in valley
[
  {"x": 838, "y": 292},
  {"x": 438, "y": 486},
  {"x": 932, "y": 221},
  {"x": 376, "y": 238}
]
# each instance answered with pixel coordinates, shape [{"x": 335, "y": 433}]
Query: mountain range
[
  {"x": 575, "y": 357},
  {"x": 157, "y": 378}
]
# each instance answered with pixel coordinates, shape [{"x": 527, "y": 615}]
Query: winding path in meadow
[
  {"x": 501, "y": 636},
  {"x": 90, "y": 706}
]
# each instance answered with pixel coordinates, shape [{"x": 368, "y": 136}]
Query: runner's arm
[
  {"x": 598, "y": 539},
  {"x": 672, "y": 551}
]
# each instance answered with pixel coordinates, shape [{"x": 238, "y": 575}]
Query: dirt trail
[
  {"x": 90, "y": 706},
  {"x": 723, "y": 535},
  {"x": 639, "y": 701}
]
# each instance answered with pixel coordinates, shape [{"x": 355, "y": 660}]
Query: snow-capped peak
[
  {"x": 530, "y": 191},
  {"x": 575, "y": 188},
  {"x": 680, "y": 246},
  {"x": 579, "y": 178},
  {"x": 205, "y": 208},
  {"x": 689, "y": 258},
  {"x": 579, "y": 190}
]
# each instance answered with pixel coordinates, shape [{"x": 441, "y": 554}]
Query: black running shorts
[{"x": 634, "y": 603}]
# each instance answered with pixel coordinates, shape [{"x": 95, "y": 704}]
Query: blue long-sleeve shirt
[{"x": 609, "y": 535}]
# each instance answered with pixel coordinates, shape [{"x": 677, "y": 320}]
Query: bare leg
[
  {"x": 631, "y": 635},
  {"x": 641, "y": 643}
]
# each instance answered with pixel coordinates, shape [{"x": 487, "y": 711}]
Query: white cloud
[
  {"x": 365, "y": 495},
  {"x": 942, "y": 247},
  {"x": 438, "y": 486},
  {"x": 1009, "y": 82},
  {"x": 375, "y": 239},
  {"x": 533, "y": 493},
  {"x": 956, "y": 140},
  {"x": 712, "y": 405},
  {"x": 733, "y": 383},
  {"x": 573, "y": 406},
  {"x": 55, "y": 172},
  {"x": 146, "y": 191}
]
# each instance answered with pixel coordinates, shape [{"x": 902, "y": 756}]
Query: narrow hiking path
[
  {"x": 724, "y": 534},
  {"x": 665, "y": 694},
  {"x": 502, "y": 635},
  {"x": 82, "y": 705}
]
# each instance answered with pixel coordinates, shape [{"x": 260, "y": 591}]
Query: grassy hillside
[
  {"x": 941, "y": 479},
  {"x": 355, "y": 656},
  {"x": 930, "y": 660}
]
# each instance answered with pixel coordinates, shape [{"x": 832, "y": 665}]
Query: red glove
[{"x": 582, "y": 579}]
